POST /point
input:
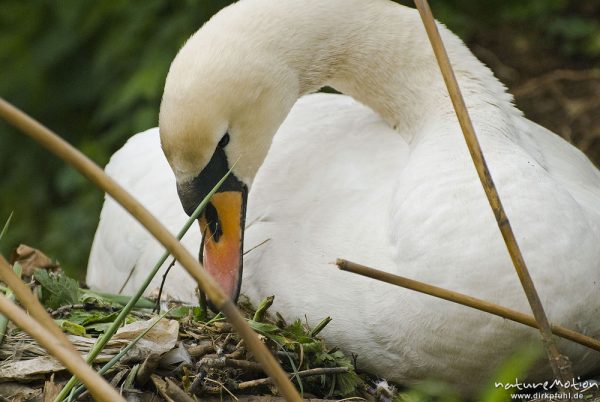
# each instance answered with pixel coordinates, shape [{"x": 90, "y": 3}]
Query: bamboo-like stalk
[
  {"x": 99, "y": 388},
  {"x": 89, "y": 169},
  {"x": 10, "y": 295},
  {"x": 465, "y": 300},
  {"x": 559, "y": 363}
]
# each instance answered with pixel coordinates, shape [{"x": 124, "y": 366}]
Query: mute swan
[{"x": 389, "y": 184}]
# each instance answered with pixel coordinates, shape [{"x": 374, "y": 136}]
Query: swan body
[{"x": 383, "y": 179}]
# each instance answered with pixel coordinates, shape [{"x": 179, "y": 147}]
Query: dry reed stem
[
  {"x": 559, "y": 363},
  {"x": 99, "y": 388},
  {"x": 465, "y": 300},
  {"x": 31, "y": 303},
  {"x": 91, "y": 171},
  {"x": 37, "y": 311}
]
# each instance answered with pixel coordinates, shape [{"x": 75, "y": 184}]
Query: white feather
[{"x": 339, "y": 182}]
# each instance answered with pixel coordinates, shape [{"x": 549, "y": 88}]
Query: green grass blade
[
  {"x": 6, "y": 225},
  {"x": 103, "y": 340}
]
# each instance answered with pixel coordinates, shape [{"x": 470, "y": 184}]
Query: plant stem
[
  {"x": 264, "y": 305},
  {"x": 465, "y": 300},
  {"x": 316, "y": 330},
  {"x": 18, "y": 270},
  {"x": 559, "y": 363}
]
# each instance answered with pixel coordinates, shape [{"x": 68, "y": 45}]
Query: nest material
[{"x": 205, "y": 359}]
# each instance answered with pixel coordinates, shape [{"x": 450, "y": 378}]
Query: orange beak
[{"x": 222, "y": 225}]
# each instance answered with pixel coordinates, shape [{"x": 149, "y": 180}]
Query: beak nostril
[{"x": 212, "y": 220}]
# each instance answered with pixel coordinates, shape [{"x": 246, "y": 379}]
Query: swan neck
[{"x": 378, "y": 53}]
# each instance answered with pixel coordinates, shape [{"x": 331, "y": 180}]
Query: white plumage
[{"x": 338, "y": 181}]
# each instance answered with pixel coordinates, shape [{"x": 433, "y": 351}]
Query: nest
[{"x": 183, "y": 357}]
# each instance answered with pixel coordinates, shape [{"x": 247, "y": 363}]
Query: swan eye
[{"x": 224, "y": 141}]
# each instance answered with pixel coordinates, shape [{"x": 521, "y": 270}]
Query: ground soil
[{"x": 559, "y": 92}]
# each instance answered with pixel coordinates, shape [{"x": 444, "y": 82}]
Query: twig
[
  {"x": 201, "y": 350},
  {"x": 162, "y": 284},
  {"x": 177, "y": 393},
  {"x": 237, "y": 354},
  {"x": 202, "y": 303},
  {"x": 222, "y": 362},
  {"x": 465, "y": 300},
  {"x": 147, "y": 369},
  {"x": 131, "y": 271},
  {"x": 169, "y": 390},
  {"x": 559, "y": 363},
  {"x": 222, "y": 386},
  {"x": 257, "y": 246},
  {"x": 218, "y": 297},
  {"x": 303, "y": 373}
]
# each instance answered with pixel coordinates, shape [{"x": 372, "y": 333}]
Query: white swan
[{"x": 389, "y": 185}]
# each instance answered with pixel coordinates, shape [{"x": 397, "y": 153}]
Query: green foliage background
[{"x": 94, "y": 72}]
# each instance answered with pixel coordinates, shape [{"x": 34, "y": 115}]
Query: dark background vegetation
[{"x": 94, "y": 72}]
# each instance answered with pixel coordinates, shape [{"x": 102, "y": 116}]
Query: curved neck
[
  {"x": 375, "y": 51},
  {"x": 245, "y": 68}
]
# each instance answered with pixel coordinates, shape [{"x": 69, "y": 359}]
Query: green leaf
[
  {"x": 515, "y": 366},
  {"x": 429, "y": 391},
  {"x": 345, "y": 383},
  {"x": 57, "y": 290},
  {"x": 88, "y": 317},
  {"x": 71, "y": 327},
  {"x": 185, "y": 311},
  {"x": 96, "y": 320},
  {"x": 270, "y": 331},
  {"x": 102, "y": 298}
]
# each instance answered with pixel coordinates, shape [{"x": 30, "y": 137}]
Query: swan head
[{"x": 221, "y": 107}]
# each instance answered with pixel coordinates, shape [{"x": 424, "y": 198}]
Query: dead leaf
[
  {"x": 19, "y": 392},
  {"x": 160, "y": 339},
  {"x": 31, "y": 259},
  {"x": 51, "y": 390},
  {"x": 27, "y": 370}
]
